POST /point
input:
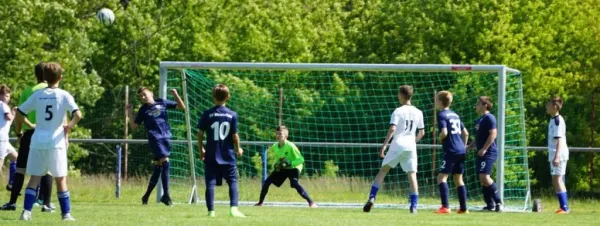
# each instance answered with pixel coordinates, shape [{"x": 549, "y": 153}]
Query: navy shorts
[
  {"x": 161, "y": 148},
  {"x": 215, "y": 173},
  {"x": 485, "y": 164},
  {"x": 453, "y": 164},
  {"x": 278, "y": 177}
]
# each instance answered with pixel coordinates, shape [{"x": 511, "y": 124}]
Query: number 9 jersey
[
  {"x": 219, "y": 124},
  {"x": 453, "y": 142},
  {"x": 51, "y": 106}
]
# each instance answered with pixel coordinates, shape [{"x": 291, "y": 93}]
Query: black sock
[
  {"x": 46, "y": 189},
  {"x": 164, "y": 177},
  {"x": 264, "y": 190},
  {"x": 17, "y": 186},
  {"x": 153, "y": 180}
]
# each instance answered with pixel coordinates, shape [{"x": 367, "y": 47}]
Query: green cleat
[{"x": 235, "y": 212}]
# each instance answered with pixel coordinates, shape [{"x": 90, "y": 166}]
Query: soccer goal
[{"x": 338, "y": 115}]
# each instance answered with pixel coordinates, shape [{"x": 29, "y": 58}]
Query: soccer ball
[{"x": 106, "y": 16}]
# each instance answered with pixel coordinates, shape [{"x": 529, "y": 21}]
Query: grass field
[{"x": 94, "y": 204}]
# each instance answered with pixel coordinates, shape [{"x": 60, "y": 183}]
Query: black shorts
[
  {"x": 24, "y": 149},
  {"x": 278, "y": 177}
]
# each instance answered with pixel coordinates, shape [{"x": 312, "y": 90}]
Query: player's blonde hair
[
  {"x": 220, "y": 92},
  {"x": 4, "y": 89},
  {"x": 445, "y": 97},
  {"x": 406, "y": 91},
  {"x": 52, "y": 72}
]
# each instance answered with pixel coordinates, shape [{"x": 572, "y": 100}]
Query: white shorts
[
  {"x": 5, "y": 149},
  {"x": 42, "y": 161},
  {"x": 560, "y": 170},
  {"x": 407, "y": 160}
]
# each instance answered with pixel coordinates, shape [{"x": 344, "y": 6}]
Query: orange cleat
[
  {"x": 443, "y": 210},
  {"x": 561, "y": 211}
]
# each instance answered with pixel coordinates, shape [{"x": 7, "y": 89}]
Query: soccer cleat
[
  {"x": 258, "y": 204},
  {"x": 561, "y": 211},
  {"x": 25, "y": 215},
  {"x": 367, "y": 207},
  {"x": 9, "y": 187},
  {"x": 211, "y": 213},
  {"x": 413, "y": 210},
  {"x": 462, "y": 212},
  {"x": 235, "y": 212},
  {"x": 67, "y": 217},
  {"x": 144, "y": 200},
  {"x": 487, "y": 209},
  {"x": 48, "y": 209},
  {"x": 166, "y": 200},
  {"x": 312, "y": 205},
  {"x": 9, "y": 207},
  {"x": 443, "y": 210},
  {"x": 499, "y": 207}
]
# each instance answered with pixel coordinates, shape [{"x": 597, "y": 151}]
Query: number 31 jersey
[
  {"x": 407, "y": 119},
  {"x": 51, "y": 106},
  {"x": 219, "y": 124},
  {"x": 453, "y": 142}
]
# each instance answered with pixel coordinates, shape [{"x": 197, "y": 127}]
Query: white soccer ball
[{"x": 106, "y": 16}]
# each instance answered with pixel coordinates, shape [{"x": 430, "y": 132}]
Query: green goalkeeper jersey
[
  {"x": 25, "y": 95},
  {"x": 290, "y": 152}
]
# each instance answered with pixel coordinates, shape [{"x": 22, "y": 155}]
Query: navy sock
[
  {"x": 566, "y": 201},
  {"x": 11, "y": 172},
  {"x": 17, "y": 186},
  {"x": 301, "y": 190},
  {"x": 494, "y": 194},
  {"x": 562, "y": 201},
  {"x": 264, "y": 190},
  {"x": 486, "y": 197},
  {"x": 30, "y": 196},
  {"x": 209, "y": 196},
  {"x": 153, "y": 181},
  {"x": 64, "y": 200},
  {"x": 462, "y": 197},
  {"x": 414, "y": 199},
  {"x": 444, "y": 194},
  {"x": 373, "y": 193},
  {"x": 164, "y": 176},
  {"x": 233, "y": 192}
]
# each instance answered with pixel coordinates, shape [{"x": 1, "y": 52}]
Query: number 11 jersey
[
  {"x": 453, "y": 142},
  {"x": 407, "y": 119},
  {"x": 219, "y": 125}
]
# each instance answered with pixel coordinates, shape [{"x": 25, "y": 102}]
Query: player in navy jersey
[
  {"x": 153, "y": 114},
  {"x": 453, "y": 135},
  {"x": 220, "y": 124},
  {"x": 485, "y": 142}
]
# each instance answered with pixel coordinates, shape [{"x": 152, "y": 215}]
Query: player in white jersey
[
  {"x": 48, "y": 149},
  {"x": 406, "y": 121},
  {"x": 6, "y": 118},
  {"x": 558, "y": 152}
]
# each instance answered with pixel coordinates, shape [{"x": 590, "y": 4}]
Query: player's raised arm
[{"x": 180, "y": 104}]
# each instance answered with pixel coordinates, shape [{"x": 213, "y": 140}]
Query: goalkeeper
[{"x": 288, "y": 165}]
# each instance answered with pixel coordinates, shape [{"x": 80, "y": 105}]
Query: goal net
[{"x": 338, "y": 115}]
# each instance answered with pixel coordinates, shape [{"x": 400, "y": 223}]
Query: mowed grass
[{"x": 94, "y": 203}]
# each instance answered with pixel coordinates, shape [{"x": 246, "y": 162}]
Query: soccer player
[
  {"x": 6, "y": 117},
  {"x": 24, "y": 143},
  {"x": 485, "y": 142},
  {"x": 49, "y": 144},
  {"x": 453, "y": 136},
  {"x": 406, "y": 121},
  {"x": 222, "y": 144},
  {"x": 153, "y": 113},
  {"x": 558, "y": 152},
  {"x": 289, "y": 165}
]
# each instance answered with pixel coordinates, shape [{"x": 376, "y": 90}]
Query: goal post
[{"x": 357, "y": 99}]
